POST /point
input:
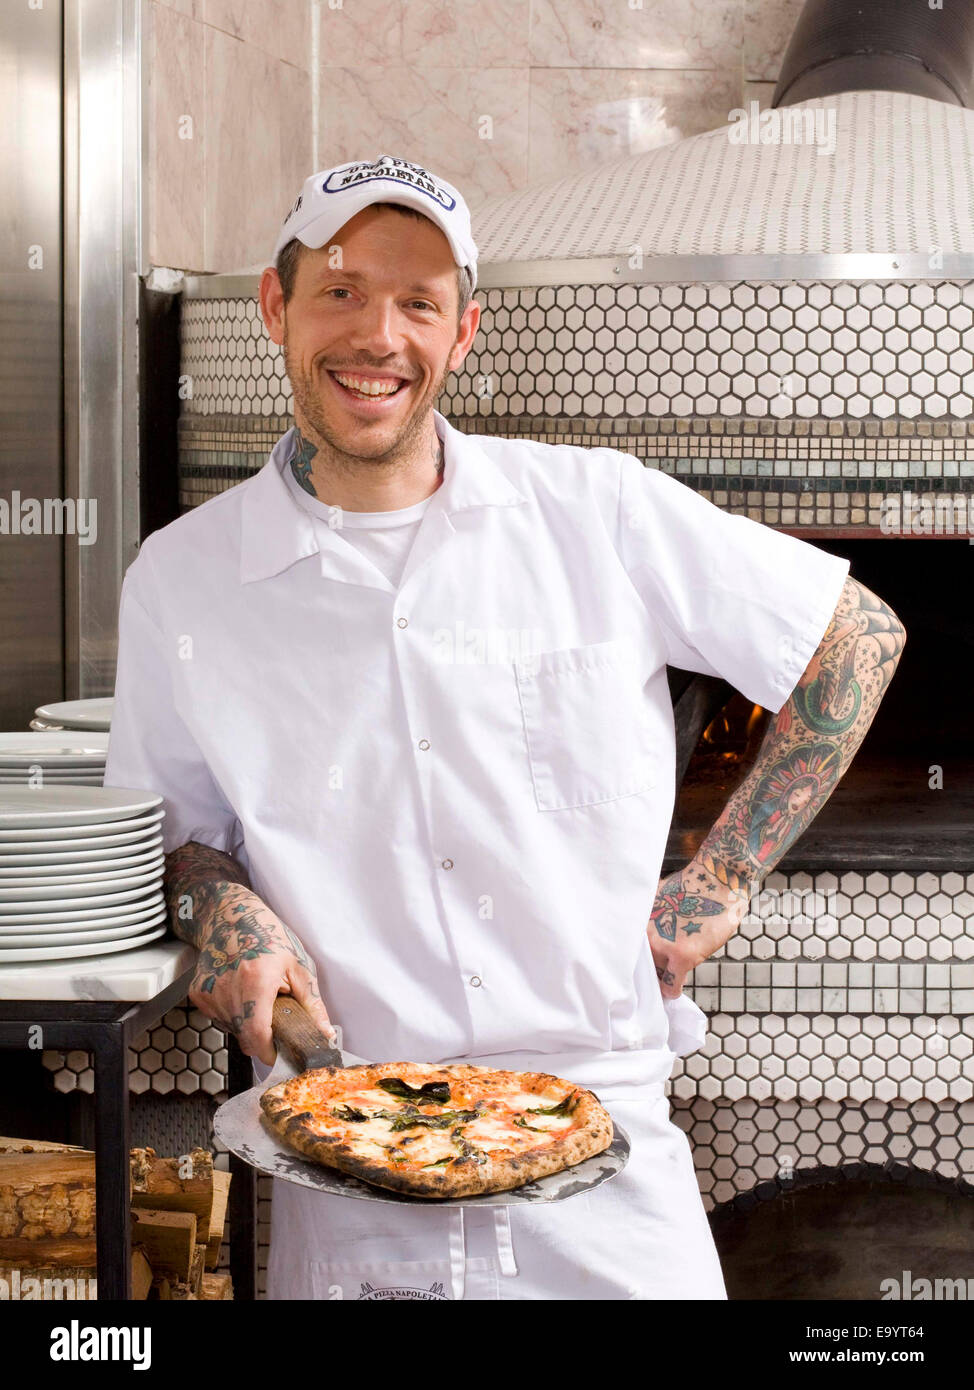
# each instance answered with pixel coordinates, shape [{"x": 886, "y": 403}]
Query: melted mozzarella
[{"x": 493, "y": 1129}]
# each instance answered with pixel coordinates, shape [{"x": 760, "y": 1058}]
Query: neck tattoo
[
  {"x": 301, "y": 462},
  {"x": 303, "y": 457}
]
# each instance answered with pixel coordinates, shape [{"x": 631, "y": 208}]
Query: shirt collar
[{"x": 276, "y": 532}]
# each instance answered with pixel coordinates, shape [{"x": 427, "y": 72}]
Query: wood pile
[{"x": 47, "y": 1221}]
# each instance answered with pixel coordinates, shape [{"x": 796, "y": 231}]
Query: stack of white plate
[
  {"x": 80, "y": 872},
  {"x": 53, "y": 758},
  {"x": 93, "y": 715}
]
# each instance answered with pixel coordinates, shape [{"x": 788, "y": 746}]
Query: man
[{"x": 404, "y": 692}]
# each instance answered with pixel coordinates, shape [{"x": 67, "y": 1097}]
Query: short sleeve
[
  {"x": 731, "y": 596},
  {"x": 149, "y": 745}
]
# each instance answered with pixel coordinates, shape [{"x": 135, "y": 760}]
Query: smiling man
[{"x": 452, "y": 846}]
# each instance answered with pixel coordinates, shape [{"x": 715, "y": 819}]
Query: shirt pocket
[
  {"x": 587, "y": 731},
  {"x": 401, "y": 1281}
]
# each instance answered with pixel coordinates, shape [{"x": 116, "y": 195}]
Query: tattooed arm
[
  {"x": 247, "y": 956},
  {"x": 808, "y": 746}
]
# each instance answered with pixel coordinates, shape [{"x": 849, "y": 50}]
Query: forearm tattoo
[
  {"x": 212, "y": 907},
  {"x": 196, "y": 882},
  {"x": 809, "y": 743}
]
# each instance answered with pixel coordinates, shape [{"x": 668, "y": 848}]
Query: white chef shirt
[
  {"x": 385, "y": 538},
  {"x": 457, "y": 790}
]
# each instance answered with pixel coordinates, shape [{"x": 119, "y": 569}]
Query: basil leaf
[
  {"x": 440, "y": 1162},
  {"x": 432, "y": 1093},
  {"x": 563, "y": 1109},
  {"x": 535, "y": 1129},
  {"x": 402, "y": 1119},
  {"x": 468, "y": 1150},
  {"x": 347, "y": 1112}
]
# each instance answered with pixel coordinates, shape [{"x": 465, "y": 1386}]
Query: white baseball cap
[{"x": 331, "y": 197}]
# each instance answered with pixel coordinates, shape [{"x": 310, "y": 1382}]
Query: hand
[
  {"x": 247, "y": 957},
  {"x": 693, "y": 915}
]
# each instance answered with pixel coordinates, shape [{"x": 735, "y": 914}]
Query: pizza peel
[{"x": 240, "y": 1127}]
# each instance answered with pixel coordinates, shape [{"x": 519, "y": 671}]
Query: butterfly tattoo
[{"x": 673, "y": 902}]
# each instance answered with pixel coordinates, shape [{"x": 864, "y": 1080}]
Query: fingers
[
  {"x": 254, "y": 1035},
  {"x": 304, "y": 988},
  {"x": 670, "y": 973}
]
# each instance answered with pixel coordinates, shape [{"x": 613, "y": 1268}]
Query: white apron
[{"x": 644, "y": 1234}]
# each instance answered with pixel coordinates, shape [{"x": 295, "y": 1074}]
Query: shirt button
[
  {"x": 402, "y": 622},
  {"x": 424, "y": 743},
  {"x": 447, "y": 864},
  {"x": 476, "y": 981}
]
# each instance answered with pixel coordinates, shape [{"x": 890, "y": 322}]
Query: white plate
[
  {"x": 84, "y": 886},
  {"x": 70, "y": 837},
  {"x": 60, "y": 772},
  {"x": 61, "y": 749},
  {"x": 46, "y": 780},
  {"x": 67, "y": 902},
  {"x": 131, "y": 915},
  {"x": 121, "y": 912},
  {"x": 44, "y": 859},
  {"x": 21, "y": 957},
  {"x": 23, "y": 808},
  {"x": 36, "y": 875},
  {"x": 94, "y": 936},
  {"x": 78, "y": 714}
]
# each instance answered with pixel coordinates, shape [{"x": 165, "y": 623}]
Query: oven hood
[{"x": 868, "y": 150}]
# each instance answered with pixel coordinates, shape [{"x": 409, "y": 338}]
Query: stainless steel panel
[
  {"x": 103, "y": 91},
  {"x": 31, "y": 566}
]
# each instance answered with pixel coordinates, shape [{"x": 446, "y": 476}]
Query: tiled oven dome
[{"x": 899, "y": 180}]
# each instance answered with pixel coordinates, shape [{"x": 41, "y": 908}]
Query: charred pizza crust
[{"x": 302, "y": 1111}]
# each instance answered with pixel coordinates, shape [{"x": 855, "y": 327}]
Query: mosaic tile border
[
  {"x": 915, "y": 476},
  {"x": 781, "y": 351}
]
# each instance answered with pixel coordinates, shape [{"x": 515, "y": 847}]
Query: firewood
[
  {"x": 8, "y": 1145},
  {"x": 182, "y": 1293},
  {"x": 141, "y": 1274},
  {"x": 169, "y": 1238},
  {"x": 218, "y": 1216},
  {"x": 47, "y": 1207},
  {"x": 216, "y": 1287},
  {"x": 161, "y": 1288},
  {"x": 174, "y": 1184},
  {"x": 196, "y": 1267}
]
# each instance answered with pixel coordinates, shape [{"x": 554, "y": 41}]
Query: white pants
[{"x": 643, "y": 1234}]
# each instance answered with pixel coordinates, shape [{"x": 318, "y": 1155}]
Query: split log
[
  {"x": 196, "y": 1267},
  {"x": 169, "y": 1238},
  {"x": 218, "y": 1216},
  {"x": 174, "y": 1184},
  {"x": 216, "y": 1287},
  {"x": 141, "y": 1274}
]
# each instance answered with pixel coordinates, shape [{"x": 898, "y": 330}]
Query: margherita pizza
[{"x": 438, "y": 1131}]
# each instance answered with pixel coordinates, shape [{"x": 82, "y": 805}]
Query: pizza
[{"x": 438, "y": 1131}]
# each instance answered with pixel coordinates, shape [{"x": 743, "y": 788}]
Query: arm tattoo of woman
[{"x": 811, "y": 741}]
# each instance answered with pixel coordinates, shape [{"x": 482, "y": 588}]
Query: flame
[{"x": 720, "y": 729}]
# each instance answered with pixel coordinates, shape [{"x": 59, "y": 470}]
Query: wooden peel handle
[{"x": 299, "y": 1037}]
